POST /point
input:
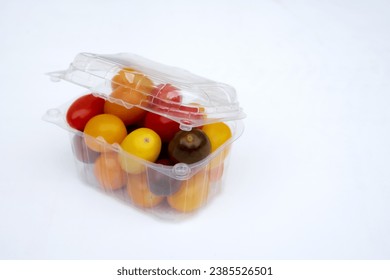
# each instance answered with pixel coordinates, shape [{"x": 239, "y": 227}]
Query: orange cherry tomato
[
  {"x": 192, "y": 194},
  {"x": 108, "y": 171},
  {"x": 129, "y": 116},
  {"x": 109, "y": 127},
  {"x": 131, "y": 86},
  {"x": 138, "y": 191}
]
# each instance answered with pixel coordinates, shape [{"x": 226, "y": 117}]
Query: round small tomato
[
  {"x": 190, "y": 113},
  {"x": 139, "y": 193},
  {"x": 109, "y": 127},
  {"x": 166, "y": 95},
  {"x": 195, "y": 110},
  {"x": 189, "y": 146},
  {"x": 83, "y": 109},
  {"x": 218, "y": 134},
  {"x": 129, "y": 116},
  {"x": 108, "y": 172},
  {"x": 131, "y": 86},
  {"x": 164, "y": 161},
  {"x": 192, "y": 194},
  {"x": 161, "y": 184},
  {"x": 143, "y": 143},
  {"x": 164, "y": 127}
]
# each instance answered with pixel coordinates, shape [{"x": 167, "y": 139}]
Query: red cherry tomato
[
  {"x": 164, "y": 161},
  {"x": 192, "y": 110},
  {"x": 164, "y": 127},
  {"x": 166, "y": 95},
  {"x": 83, "y": 109}
]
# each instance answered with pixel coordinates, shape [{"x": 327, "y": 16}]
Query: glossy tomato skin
[
  {"x": 83, "y": 109},
  {"x": 166, "y": 95},
  {"x": 164, "y": 127},
  {"x": 109, "y": 127}
]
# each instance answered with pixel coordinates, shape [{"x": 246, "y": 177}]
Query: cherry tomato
[
  {"x": 192, "y": 110},
  {"x": 192, "y": 194},
  {"x": 161, "y": 184},
  {"x": 108, "y": 171},
  {"x": 189, "y": 113},
  {"x": 143, "y": 143},
  {"x": 109, "y": 127},
  {"x": 164, "y": 161},
  {"x": 164, "y": 127},
  {"x": 83, "y": 109},
  {"x": 166, "y": 95},
  {"x": 138, "y": 191},
  {"x": 129, "y": 116},
  {"x": 189, "y": 146},
  {"x": 134, "y": 83}
]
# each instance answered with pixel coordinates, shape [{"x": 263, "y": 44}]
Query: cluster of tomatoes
[{"x": 145, "y": 136}]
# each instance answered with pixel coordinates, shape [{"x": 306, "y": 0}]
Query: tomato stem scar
[{"x": 190, "y": 138}]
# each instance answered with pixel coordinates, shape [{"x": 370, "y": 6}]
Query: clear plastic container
[{"x": 165, "y": 190}]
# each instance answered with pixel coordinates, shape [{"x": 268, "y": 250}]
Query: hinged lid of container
[{"x": 175, "y": 93}]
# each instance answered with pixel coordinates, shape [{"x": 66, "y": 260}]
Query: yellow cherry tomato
[
  {"x": 109, "y": 127},
  {"x": 192, "y": 194},
  {"x": 218, "y": 134},
  {"x": 143, "y": 143}
]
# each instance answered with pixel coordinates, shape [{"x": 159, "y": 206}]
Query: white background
[{"x": 309, "y": 179}]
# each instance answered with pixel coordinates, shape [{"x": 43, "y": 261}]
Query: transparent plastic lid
[{"x": 131, "y": 80}]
